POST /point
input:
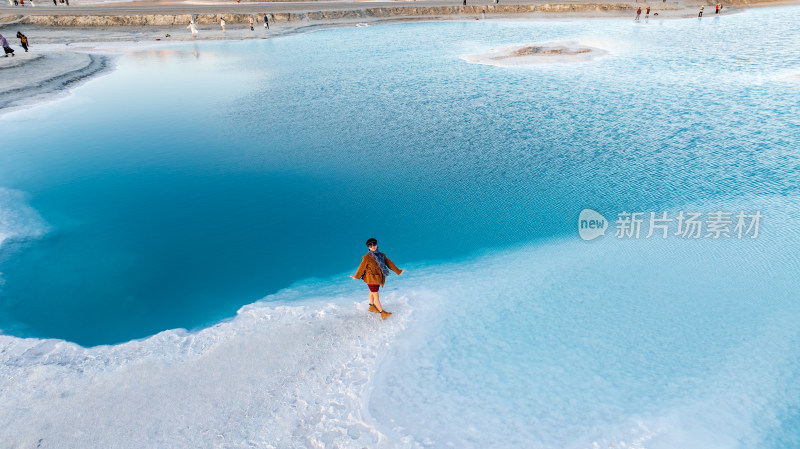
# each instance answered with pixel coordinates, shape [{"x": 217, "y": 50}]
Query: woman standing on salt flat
[
  {"x": 193, "y": 27},
  {"x": 374, "y": 268}
]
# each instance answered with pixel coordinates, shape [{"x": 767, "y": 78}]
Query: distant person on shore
[
  {"x": 638, "y": 13},
  {"x": 266, "y": 22},
  {"x": 23, "y": 40},
  {"x": 192, "y": 27},
  {"x": 719, "y": 7},
  {"x": 6, "y": 48},
  {"x": 222, "y": 24},
  {"x": 701, "y": 11},
  {"x": 251, "y": 23},
  {"x": 373, "y": 270},
  {"x": 647, "y": 13}
]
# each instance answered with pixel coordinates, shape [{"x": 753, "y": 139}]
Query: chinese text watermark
[{"x": 685, "y": 225}]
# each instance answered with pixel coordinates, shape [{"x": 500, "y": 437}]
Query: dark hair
[{"x": 372, "y": 242}]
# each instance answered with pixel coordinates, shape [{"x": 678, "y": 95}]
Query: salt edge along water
[{"x": 273, "y": 376}]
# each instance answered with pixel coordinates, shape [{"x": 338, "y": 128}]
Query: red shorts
[{"x": 374, "y": 287}]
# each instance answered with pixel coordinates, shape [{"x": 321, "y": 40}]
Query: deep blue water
[{"x": 195, "y": 179}]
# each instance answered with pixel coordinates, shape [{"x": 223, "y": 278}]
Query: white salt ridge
[{"x": 273, "y": 376}]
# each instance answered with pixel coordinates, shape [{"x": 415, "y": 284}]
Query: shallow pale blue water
[{"x": 196, "y": 179}]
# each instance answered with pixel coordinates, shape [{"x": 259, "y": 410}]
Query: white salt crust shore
[
  {"x": 32, "y": 77},
  {"x": 273, "y": 376}
]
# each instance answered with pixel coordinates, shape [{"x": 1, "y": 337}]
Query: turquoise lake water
[
  {"x": 199, "y": 178},
  {"x": 192, "y": 181}
]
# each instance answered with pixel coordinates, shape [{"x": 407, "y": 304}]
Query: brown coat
[{"x": 372, "y": 272}]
